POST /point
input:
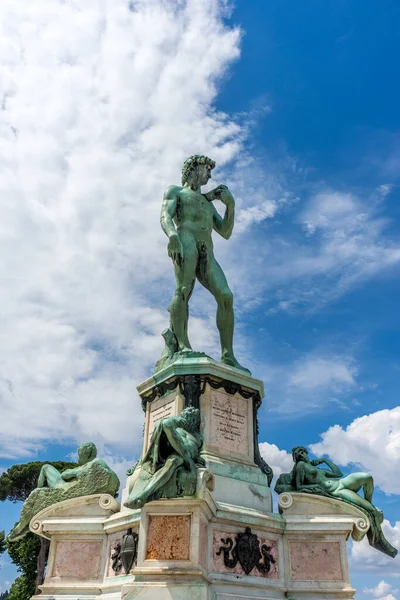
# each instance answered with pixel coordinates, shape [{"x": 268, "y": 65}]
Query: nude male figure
[
  {"x": 175, "y": 443},
  {"x": 188, "y": 218}
]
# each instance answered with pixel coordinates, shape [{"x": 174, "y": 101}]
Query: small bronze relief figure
[
  {"x": 247, "y": 552},
  {"x": 116, "y": 562}
]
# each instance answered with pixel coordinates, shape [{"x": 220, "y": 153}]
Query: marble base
[
  {"x": 184, "y": 545},
  {"x": 179, "y": 542},
  {"x": 228, "y": 400}
]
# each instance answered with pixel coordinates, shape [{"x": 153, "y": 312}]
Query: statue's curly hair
[{"x": 192, "y": 162}]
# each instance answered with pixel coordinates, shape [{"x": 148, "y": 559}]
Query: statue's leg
[
  {"x": 355, "y": 499},
  {"x": 185, "y": 276},
  {"x": 214, "y": 280},
  {"x": 50, "y": 477},
  {"x": 159, "y": 479},
  {"x": 178, "y": 444},
  {"x": 356, "y": 481}
]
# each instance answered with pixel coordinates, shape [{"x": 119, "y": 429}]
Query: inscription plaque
[
  {"x": 229, "y": 423},
  {"x": 163, "y": 407}
]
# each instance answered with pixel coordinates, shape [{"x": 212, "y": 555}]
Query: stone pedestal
[
  {"x": 180, "y": 549},
  {"x": 223, "y": 544},
  {"x": 228, "y": 400}
]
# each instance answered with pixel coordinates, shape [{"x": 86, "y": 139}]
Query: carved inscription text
[
  {"x": 164, "y": 407},
  {"x": 229, "y": 423}
]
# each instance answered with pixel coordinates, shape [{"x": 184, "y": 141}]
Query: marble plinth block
[
  {"x": 199, "y": 549},
  {"x": 228, "y": 400}
]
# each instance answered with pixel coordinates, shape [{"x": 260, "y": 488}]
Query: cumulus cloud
[
  {"x": 363, "y": 556},
  {"x": 279, "y": 460},
  {"x": 382, "y": 588},
  {"x": 372, "y": 442},
  {"x": 101, "y": 103}
]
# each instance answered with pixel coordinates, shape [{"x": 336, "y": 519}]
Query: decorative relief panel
[
  {"x": 245, "y": 553},
  {"x": 115, "y": 562}
]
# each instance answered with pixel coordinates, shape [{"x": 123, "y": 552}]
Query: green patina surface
[
  {"x": 307, "y": 478},
  {"x": 168, "y": 468},
  {"x": 188, "y": 218},
  {"x": 92, "y": 476},
  {"x": 239, "y": 472}
]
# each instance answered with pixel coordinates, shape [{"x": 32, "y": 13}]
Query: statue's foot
[
  {"x": 18, "y": 532},
  {"x": 185, "y": 350},
  {"x": 232, "y": 362},
  {"x": 135, "y": 503}
]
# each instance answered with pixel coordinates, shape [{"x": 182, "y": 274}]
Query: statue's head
[
  {"x": 191, "y": 416},
  {"x": 86, "y": 452},
  {"x": 299, "y": 453},
  {"x": 197, "y": 169}
]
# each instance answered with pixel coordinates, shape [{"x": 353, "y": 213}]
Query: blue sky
[{"x": 298, "y": 104}]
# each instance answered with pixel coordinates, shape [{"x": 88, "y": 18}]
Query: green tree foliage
[
  {"x": 19, "y": 480},
  {"x": 15, "y": 485},
  {"x": 2, "y": 544},
  {"x": 24, "y": 554},
  {"x": 21, "y": 589}
]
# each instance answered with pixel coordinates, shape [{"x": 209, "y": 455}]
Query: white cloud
[
  {"x": 101, "y": 105},
  {"x": 384, "y": 190},
  {"x": 363, "y": 557},
  {"x": 351, "y": 240},
  {"x": 328, "y": 209},
  {"x": 316, "y": 371},
  {"x": 341, "y": 242},
  {"x": 372, "y": 442},
  {"x": 279, "y": 460},
  {"x": 382, "y": 588},
  {"x": 312, "y": 383},
  {"x": 255, "y": 214}
]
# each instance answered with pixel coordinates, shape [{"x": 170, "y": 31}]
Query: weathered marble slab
[
  {"x": 168, "y": 537},
  {"x": 229, "y": 429},
  {"x": 158, "y": 409},
  {"x": 315, "y": 561},
  {"x": 203, "y": 543},
  {"x": 78, "y": 560}
]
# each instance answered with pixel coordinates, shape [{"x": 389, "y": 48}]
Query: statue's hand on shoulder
[
  {"x": 175, "y": 249},
  {"x": 222, "y": 193},
  {"x": 317, "y": 461}
]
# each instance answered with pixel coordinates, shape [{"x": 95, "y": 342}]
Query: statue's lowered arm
[{"x": 168, "y": 211}]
